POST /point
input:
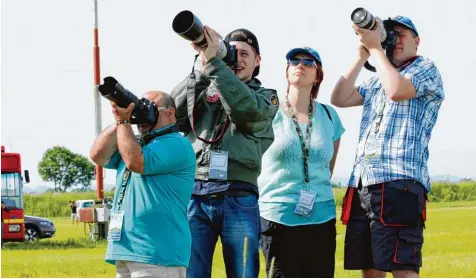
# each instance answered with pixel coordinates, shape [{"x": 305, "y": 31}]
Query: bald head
[
  {"x": 161, "y": 99},
  {"x": 166, "y": 106}
]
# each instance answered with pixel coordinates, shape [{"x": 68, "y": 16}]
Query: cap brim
[
  {"x": 392, "y": 23},
  {"x": 293, "y": 52}
]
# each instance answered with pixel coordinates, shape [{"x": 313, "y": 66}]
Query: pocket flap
[{"x": 410, "y": 236}]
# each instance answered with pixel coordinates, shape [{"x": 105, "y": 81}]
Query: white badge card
[
  {"x": 306, "y": 203},
  {"x": 115, "y": 226},
  {"x": 218, "y": 165}
]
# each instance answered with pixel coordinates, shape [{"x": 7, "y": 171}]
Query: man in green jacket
[{"x": 227, "y": 115}]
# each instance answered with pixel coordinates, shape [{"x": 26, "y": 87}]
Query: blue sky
[{"x": 47, "y": 67}]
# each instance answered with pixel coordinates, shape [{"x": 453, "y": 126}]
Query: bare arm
[
  {"x": 344, "y": 93},
  {"x": 397, "y": 87},
  {"x": 333, "y": 160},
  {"x": 105, "y": 146},
  {"x": 130, "y": 149}
]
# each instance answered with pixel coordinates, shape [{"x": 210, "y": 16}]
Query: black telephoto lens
[
  {"x": 187, "y": 25},
  {"x": 115, "y": 92}
]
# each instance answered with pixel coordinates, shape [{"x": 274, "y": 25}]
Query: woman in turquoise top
[{"x": 298, "y": 212}]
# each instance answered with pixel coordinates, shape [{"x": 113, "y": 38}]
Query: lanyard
[
  {"x": 305, "y": 143},
  {"x": 125, "y": 178}
]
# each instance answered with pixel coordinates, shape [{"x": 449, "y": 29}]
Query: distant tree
[
  {"x": 466, "y": 179},
  {"x": 65, "y": 169},
  {"x": 81, "y": 189},
  {"x": 336, "y": 185}
]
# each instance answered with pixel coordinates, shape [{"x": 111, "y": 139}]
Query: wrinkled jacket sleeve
[
  {"x": 179, "y": 94},
  {"x": 251, "y": 110}
]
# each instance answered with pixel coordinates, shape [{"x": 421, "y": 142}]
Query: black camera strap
[
  {"x": 191, "y": 112},
  {"x": 153, "y": 134}
]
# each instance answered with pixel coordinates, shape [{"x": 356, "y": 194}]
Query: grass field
[{"x": 449, "y": 249}]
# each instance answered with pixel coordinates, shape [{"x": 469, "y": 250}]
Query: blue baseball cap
[
  {"x": 304, "y": 50},
  {"x": 402, "y": 21}
]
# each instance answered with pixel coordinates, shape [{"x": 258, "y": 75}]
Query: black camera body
[
  {"x": 388, "y": 37},
  {"x": 145, "y": 111},
  {"x": 189, "y": 27}
]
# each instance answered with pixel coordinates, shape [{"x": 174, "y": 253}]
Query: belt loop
[{"x": 225, "y": 194}]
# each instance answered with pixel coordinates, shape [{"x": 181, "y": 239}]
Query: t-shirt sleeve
[
  {"x": 426, "y": 79},
  {"x": 338, "y": 127},
  {"x": 166, "y": 155},
  {"x": 114, "y": 161},
  {"x": 364, "y": 86}
]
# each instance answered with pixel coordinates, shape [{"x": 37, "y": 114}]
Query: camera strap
[
  {"x": 153, "y": 134},
  {"x": 191, "y": 112}
]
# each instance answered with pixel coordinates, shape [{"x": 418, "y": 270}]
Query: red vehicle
[{"x": 13, "y": 224}]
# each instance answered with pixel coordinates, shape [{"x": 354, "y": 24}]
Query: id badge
[
  {"x": 306, "y": 203},
  {"x": 218, "y": 165},
  {"x": 115, "y": 226}
]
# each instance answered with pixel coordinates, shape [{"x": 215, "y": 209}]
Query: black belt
[{"x": 229, "y": 193}]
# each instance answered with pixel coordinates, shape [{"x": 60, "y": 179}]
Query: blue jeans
[{"x": 231, "y": 218}]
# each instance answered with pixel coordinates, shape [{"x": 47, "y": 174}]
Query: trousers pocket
[
  {"x": 396, "y": 205},
  {"x": 408, "y": 247}
]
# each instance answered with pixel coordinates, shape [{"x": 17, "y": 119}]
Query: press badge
[
  {"x": 115, "y": 226},
  {"x": 218, "y": 165},
  {"x": 306, "y": 203}
]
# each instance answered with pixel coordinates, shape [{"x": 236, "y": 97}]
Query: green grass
[
  {"x": 449, "y": 249},
  {"x": 55, "y": 204}
]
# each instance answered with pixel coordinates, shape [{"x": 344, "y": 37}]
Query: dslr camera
[
  {"x": 145, "y": 111},
  {"x": 388, "y": 37},
  {"x": 189, "y": 27}
]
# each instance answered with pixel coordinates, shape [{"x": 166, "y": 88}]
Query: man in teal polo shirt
[{"x": 149, "y": 235}]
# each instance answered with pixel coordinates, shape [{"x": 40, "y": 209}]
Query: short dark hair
[{"x": 168, "y": 101}]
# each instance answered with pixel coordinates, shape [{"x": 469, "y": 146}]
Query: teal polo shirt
[{"x": 155, "y": 228}]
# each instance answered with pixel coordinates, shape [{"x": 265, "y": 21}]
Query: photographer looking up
[
  {"x": 384, "y": 207},
  {"x": 149, "y": 235},
  {"x": 231, "y": 129}
]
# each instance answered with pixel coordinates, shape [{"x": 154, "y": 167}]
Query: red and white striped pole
[{"x": 97, "y": 101}]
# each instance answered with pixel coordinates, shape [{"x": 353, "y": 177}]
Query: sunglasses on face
[{"x": 305, "y": 61}]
